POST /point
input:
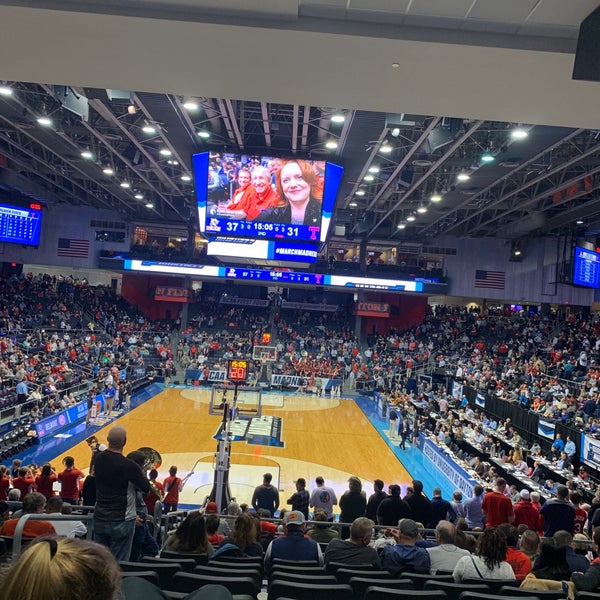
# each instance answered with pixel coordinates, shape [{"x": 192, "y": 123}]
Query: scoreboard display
[{"x": 237, "y": 370}]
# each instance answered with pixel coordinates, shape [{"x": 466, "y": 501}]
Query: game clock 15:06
[{"x": 237, "y": 370}]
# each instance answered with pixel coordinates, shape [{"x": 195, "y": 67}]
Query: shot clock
[{"x": 237, "y": 370}]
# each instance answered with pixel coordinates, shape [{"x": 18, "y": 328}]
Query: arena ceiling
[{"x": 427, "y": 90}]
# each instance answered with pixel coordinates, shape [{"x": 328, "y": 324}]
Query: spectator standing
[
  {"x": 115, "y": 511},
  {"x": 558, "y": 513},
  {"x": 266, "y": 496},
  {"x": 419, "y": 503},
  {"x": 69, "y": 481},
  {"x": 497, "y": 506},
  {"x": 527, "y": 514},
  {"x": 375, "y": 500},
  {"x": 393, "y": 508},
  {"x": 353, "y": 502},
  {"x": 441, "y": 509},
  {"x": 323, "y": 497},
  {"x": 473, "y": 511},
  {"x": 300, "y": 499}
]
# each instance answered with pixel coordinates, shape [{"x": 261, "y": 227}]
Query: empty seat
[
  {"x": 201, "y": 559},
  {"x": 185, "y": 564},
  {"x": 150, "y": 576},
  {"x": 332, "y": 567},
  {"x": 302, "y": 578},
  {"x": 309, "y": 591},
  {"x": 494, "y": 584},
  {"x": 229, "y": 571},
  {"x": 344, "y": 575},
  {"x": 419, "y": 579},
  {"x": 378, "y": 592},
  {"x": 164, "y": 571},
  {"x": 189, "y": 582},
  {"x": 360, "y": 585},
  {"x": 454, "y": 590}
]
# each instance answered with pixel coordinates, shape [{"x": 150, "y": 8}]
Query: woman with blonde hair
[{"x": 64, "y": 568}]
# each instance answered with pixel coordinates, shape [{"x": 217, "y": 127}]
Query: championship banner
[
  {"x": 590, "y": 451},
  {"x": 480, "y": 399}
]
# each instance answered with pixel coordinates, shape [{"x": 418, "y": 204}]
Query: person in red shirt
[
  {"x": 580, "y": 514},
  {"x": 519, "y": 561},
  {"x": 25, "y": 482},
  {"x": 172, "y": 486},
  {"x": 527, "y": 514},
  {"x": 4, "y": 482},
  {"x": 33, "y": 503},
  {"x": 497, "y": 506},
  {"x": 69, "y": 480},
  {"x": 157, "y": 492},
  {"x": 45, "y": 480}
]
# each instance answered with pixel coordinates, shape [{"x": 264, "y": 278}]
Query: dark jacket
[{"x": 283, "y": 214}]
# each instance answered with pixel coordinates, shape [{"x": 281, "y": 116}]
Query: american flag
[
  {"x": 73, "y": 248},
  {"x": 490, "y": 279}
]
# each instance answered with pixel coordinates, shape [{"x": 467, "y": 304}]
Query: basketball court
[{"x": 296, "y": 435}]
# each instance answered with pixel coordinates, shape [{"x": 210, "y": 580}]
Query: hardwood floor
[{"x": 322, "y": 436}]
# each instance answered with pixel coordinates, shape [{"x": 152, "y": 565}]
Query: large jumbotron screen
[{"x": 264, "y": 197}]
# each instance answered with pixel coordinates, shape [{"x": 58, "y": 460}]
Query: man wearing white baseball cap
[{"x": 293, "y": 545}]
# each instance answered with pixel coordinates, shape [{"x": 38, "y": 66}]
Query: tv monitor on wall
[
  {"x": 20, "y": 225},
  {"x": 264, "y": 197},
  {"x": 586, "y": 267}
]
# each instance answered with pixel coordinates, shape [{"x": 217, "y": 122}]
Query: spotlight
[
  {"x": 203, "y": 134},
  {"x": 360, "y": 192},
  {"x": 87, "y": 154},
  {"x": 165, "y": 152},
  {"x": 6, "y": 90},
  {"x": 411, "y": 218},
  {"x": 186, "y": 178},
  {"x": 436, "y": 197},
  {"x": 338, "y": 118},
  {"x": 149, "y": 129},
  {"x": 139, "y": 196},
  {"x": 385, "y": 148},
  {"x": 422, "y": 209},
  {"x": 463, "y": 177},
  {"x": 125, "y": 185},
  {"x": 487, "y": 158},
  {"x": 190, "y": 105},
  {"x": 331, "y": 145},
  {"x": 108, "y": 171},
  {"x": 519, "y": 133},
  {"x": 44, "y": 121}
]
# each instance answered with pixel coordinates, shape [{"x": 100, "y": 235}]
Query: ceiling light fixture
[
  {"x": 401, "y": 226},
  {"x": 385, "y": 148},
  {"x": 87, "y": 154},
  {"x": 131, "y": 109},
  {"x": 435, "y": 197},
  {"x": 411, "y": 218},
  {"x": 125, "y": 184},
  {"x": 360, "y": 192},
  {"x": 463, "y": 177},
  {"x": 487, "y": 158},
  {"x": 369, "y": 178},
  {"x": 331, "y": 145},
  {"x": 149, "y": 129},
  {"x": 338, "y": 118},
  {"x": 149, "y": 205},
  {"x": 44, "y": 121},
  {"x": 353, "y": 204},
  {"x": 373, "y": 169},
  {"x": 579, "y": 222},
  {"x": 165, "y": 152},
  {"x": 186, "y": 178},
  {"x": 190, "y": 105},
  {"x": 139, "y": 196},
  {"x": 5, "y": 90},
  {"x": 519, "y": 133},
  {"x": 422, "y": 209},
  {"x": 108, "y": 171},
  {"x": 203, "y": 134}
]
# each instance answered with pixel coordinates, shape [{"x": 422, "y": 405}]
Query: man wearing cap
[
  {"x": 323, "y": 497},
  {"x": 405, "y": 555},
  {"x": 293, "y": 545},
  {"x": 211, "y": 508},
  {"x": 527, "y": 514},
  {"x": 558, "y": 513},
  {"x": 266, "y": 495},
  {"x": 117, "y": 478},
  {"x": 356, "y": 550}
]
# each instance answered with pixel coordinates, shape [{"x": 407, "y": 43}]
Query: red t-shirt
[
  {"x": 498, "y": 509},
  {"x": 580, "y": 519},
  {"x": 4, "y": 485},
  {"x": 151, "y": 498},
  {"x": 24, "y": 485},
  {"x": 172, "y": 484},
  {"x": 69, "y": 480},
  {"x": 44, "y": 485},
  {"x": 519, "y": 561}
]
